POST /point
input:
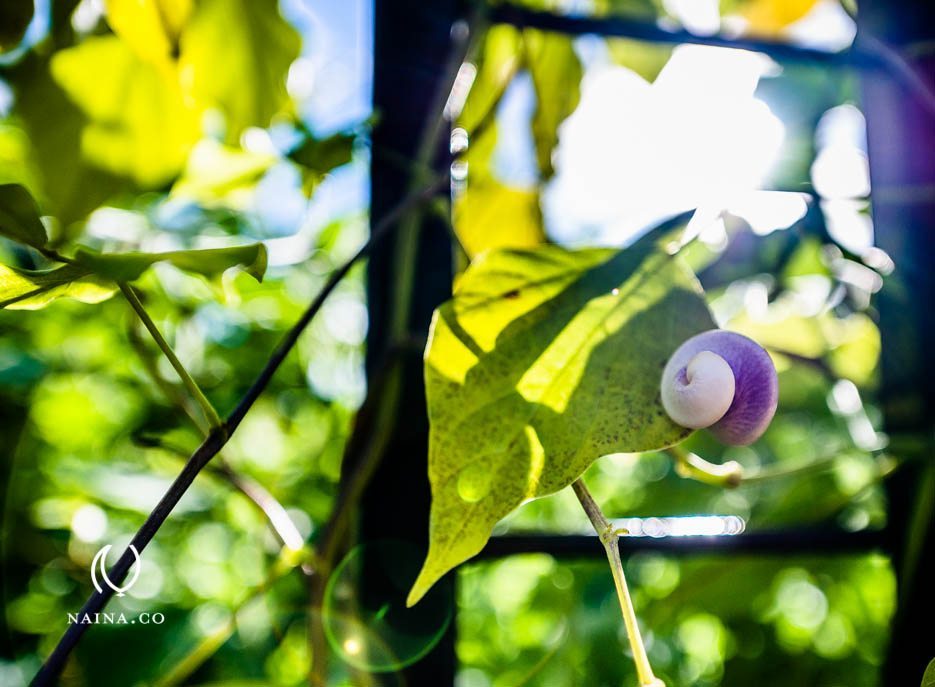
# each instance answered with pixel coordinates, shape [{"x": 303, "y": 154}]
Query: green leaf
[
  {"x": 318, "y": 156},
  {"x": 19, "y": 216},
  {"x": 544, "y": 361},
  {"x": 235, "y": 55},
  {"x": 208, "y": 262},
  {"x": 31, "y": 290},
  {"x": 324, "y": 154},
  {"x": 556, "y": 75},
  {"x": 645, "y": 59},
  {"x": 928, "y": 680}
]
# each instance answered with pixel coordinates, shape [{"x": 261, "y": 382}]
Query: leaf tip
[
  {"x": 258, "y": 268},
  {"x": 424, "y": 582}
]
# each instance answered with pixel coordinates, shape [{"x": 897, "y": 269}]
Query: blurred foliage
[
  {"x": 162, "y": 126},
  {"x": 533, "y": 620}
]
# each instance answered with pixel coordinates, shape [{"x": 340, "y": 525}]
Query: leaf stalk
[
  {"x": 609, "y": 538},
  {"x": 214, "y": 420}
]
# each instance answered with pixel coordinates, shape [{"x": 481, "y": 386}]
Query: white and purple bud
[{"x": 723, "y": 381}]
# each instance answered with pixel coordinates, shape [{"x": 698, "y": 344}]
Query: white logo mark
[{"x": 100, "y": 559}]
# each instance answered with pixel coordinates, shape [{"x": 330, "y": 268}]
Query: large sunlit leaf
[
  {"x": 235, "y": 55},
  {"x": 30, "y": 290},
  {"x": 140, "y": 123},
  {"x": 151, "y": 27},
  {"x": 19, "y": 216},
  {"x": 207, "y": 262},
  {"x": 556, "y": 76},
  {"x": 544, "y": 361}
]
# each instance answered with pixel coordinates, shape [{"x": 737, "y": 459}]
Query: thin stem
[
  {"x": 276, "y": 515},
  {"x": 216, "y": 440},
  {"x": 692, "y": 466},
  {"x": 214, "y": 420},
  {"x": 608, "y": 535}
]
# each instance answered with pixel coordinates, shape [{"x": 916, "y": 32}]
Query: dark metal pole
[
  {"x": 901, "y": 135},
  {"x": 413, "y": 56}
]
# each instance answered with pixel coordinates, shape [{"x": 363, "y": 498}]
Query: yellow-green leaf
[
  {"x": 207, "y": 262},
  {"x": 19, "y": 216},
  {"x": 31, "y": 290},
  {"x": 556, "y": 76},
  {"x": 645, "y": 59},
  {"x": 544, "y": 361},
  {"x": 140, "y": 124},
  {"x": 235, "y": 55},
  {"x": 490, "y": 215},
  {"x": 150, "y": 27}
]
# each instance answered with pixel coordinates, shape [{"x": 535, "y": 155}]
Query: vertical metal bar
[
  {"x": 412, "y": 49},
  {"x": 901, "y": 137}
]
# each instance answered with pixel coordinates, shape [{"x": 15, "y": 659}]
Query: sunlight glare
[{"x": 634, "y": 153}]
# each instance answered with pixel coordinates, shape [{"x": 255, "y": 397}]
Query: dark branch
[{"x": 625, "y": 27}]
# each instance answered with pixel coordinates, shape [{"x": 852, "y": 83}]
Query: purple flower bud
[{"x": 723, "y": 381}]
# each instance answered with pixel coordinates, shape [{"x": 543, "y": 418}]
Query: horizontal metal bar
[
  {"x": 625, "y": 27},
  {"x": 783, "y": 543}
]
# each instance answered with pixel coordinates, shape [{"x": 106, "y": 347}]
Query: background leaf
[
  {"x": 556, "y": 76},
  {"x": 544, "y": 361},
  {"x": 31, "y": 290},
  {"x": 493, "y": 215},
  {"x": 207, "y": 262},
  {"x": 140, "y": 124},
  {"x": 150, "y": 27},
  {"x": 235, "y": 55},
  {"x": 19, "y": 216}
]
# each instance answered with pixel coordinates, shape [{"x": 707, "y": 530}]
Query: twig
[
  {"x": 216, "y": 440},
  {"x": 279, "y": 521},
  {"x": 214, "y": 420},
  {"x": 608, "y": 536}
]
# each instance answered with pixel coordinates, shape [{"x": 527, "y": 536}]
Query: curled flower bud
[{"x": 723, "y": 381}]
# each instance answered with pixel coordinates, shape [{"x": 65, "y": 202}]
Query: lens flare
[{"x": 364, "y": 613}]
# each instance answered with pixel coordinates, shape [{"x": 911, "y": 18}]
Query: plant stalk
[
  {"x": 214, "y": 420},
  {"x": 609, "y": 538}
]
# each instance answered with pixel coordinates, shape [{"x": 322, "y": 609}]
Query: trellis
[{"x": 418, "y": 46}]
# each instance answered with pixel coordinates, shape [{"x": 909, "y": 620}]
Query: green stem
[
  {"x": 609, "y": 538},
  {"x": 211, "y": 414},
  {"x": 692, "y": 466}
]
